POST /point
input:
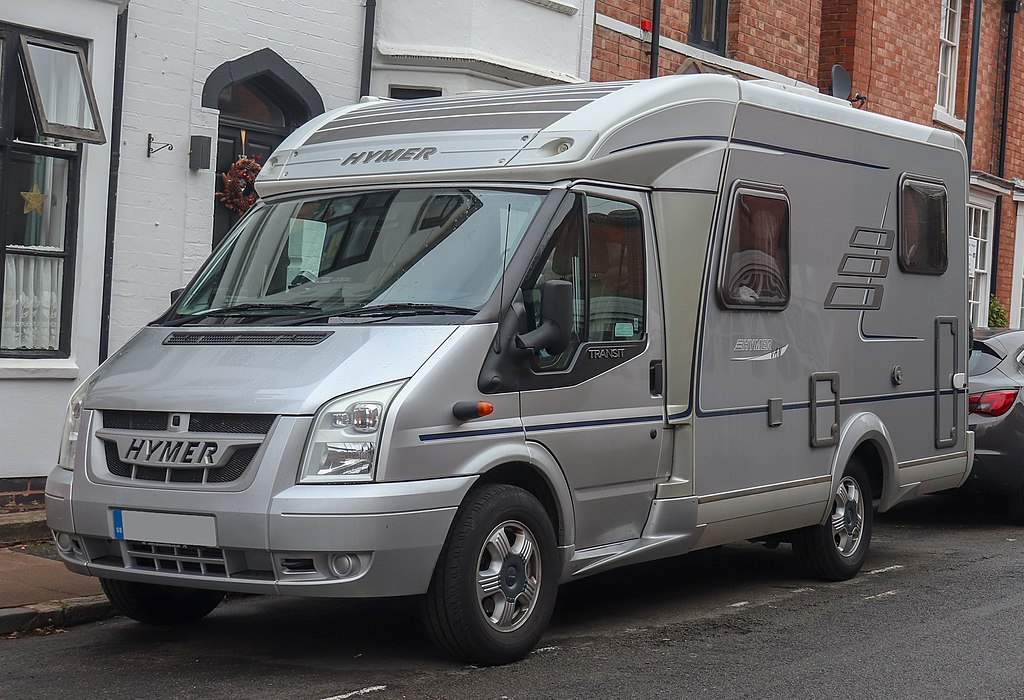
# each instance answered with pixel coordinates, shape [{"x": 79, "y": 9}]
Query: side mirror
[
  {"x": 556, "y": 308},
  {"x": 175, "y": 295}
]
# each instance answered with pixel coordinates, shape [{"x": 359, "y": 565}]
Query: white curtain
[{"x": 31, "y": 311}]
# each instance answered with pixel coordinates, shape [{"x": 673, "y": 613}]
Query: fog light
[
  {"x": 344, "y": 565},
  {"x": 64, "y": 542}
]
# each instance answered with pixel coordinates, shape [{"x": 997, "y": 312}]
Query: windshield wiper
[
  {"x": 383, "y": 312},
  {"x": 248, "y": 309},
  {"x": 408, "y": 309}
]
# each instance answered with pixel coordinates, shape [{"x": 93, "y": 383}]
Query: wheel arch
[
  {"x": 865, "y": 437},
  {"x": 533, "y": 469}
]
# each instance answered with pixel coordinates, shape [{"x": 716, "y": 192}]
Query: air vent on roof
[{"x": 247, "y": 338}]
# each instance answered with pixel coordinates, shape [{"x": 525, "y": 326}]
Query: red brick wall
[
  {"x": 21, "y": 494},
  {"x": 1014, "y": 156},
  {"x": 780, "y": 35}
]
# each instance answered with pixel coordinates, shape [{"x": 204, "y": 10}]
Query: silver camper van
[{"x": 472, "y": 347}]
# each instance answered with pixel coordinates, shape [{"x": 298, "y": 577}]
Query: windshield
[{"x": 406, "y": 251}]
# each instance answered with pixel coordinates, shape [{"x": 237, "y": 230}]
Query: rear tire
[
  {"x": 160, "y": 605},
  {"x": 494, "y": 586},
  {"x": 836, "y": 550}
]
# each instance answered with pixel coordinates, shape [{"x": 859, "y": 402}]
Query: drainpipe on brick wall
[
  {"x": 1012, "y": 7},
  {"x": 972, "y": 82},
  {"x": 655, "y": 37},
  {"x": 120, "y": 48},
  {"x": 368, "y": 21}
]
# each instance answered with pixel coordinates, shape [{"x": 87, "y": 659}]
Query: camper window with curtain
[
  {"x": 47, "y": 110},
  {"x": 755, "y": 268}
]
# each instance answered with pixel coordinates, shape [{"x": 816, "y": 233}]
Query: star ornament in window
[{"x": 34, "y": 200}]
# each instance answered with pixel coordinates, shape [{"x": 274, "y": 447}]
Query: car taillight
[{"x": 992, "y": 403}]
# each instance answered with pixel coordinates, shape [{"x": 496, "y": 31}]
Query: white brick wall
[{"x": 34, "y": 393}]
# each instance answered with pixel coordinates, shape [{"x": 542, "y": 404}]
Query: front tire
[
  {"x": 160, "y": 605},
  {"x": 836, "y": 550},
  {"x": 494, "y": 586}
]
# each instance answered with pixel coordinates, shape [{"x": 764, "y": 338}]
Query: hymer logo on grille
[
  {"x": 177, "y": 449},
  {"x": 170, "y": 452}
]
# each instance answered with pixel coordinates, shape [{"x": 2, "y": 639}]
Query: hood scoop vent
[{"x": 248, "y": 338}]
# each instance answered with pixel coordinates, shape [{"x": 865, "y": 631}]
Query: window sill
[
  {"x": 34, "y": 368},
  {"x": 945, "y": 118}
]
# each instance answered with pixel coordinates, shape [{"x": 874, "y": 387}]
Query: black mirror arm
[
  {"x": 555, "y": 331},
  {"x": 547, "y": 336}
]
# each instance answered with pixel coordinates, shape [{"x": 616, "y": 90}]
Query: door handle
[{"x": 657, "y": 378}]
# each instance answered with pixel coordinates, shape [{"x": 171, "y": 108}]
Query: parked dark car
[{"x": 996, "y": 379}]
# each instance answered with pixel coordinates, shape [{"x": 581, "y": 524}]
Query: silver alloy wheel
[
  {"x": 508, "y": 575},
  {"x": 847, "y": 517}
]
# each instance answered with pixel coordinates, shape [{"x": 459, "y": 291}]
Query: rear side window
[
  {"x": 982, "y": 359},
  {"x": 755, "y": 266},
  {"x": 922, "y": 228}
]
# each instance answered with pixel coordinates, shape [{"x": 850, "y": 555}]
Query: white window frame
[
  {"x": 980, "y": 211},
  {"x": 949, "y": 50},
  {"x": 1017, "y": 283}
]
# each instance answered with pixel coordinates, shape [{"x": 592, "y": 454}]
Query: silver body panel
[{"x": 632, "y": 471}]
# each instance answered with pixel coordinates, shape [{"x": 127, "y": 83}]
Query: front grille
[
  {"x": 230, "y": 423},
  {"x": 231, "y": 471},
  {"x": 193, "y": 560},
  {"x": 197, "y": 424},
  {"x": 135, "y": 420},
  {"x": 203, "y": 561},
  {"x": 252, "y": 423}
]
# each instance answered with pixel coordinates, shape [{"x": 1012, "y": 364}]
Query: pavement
[{"x": 36, "y": 590}]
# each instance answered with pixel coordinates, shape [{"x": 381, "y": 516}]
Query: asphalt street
[{"x": 937, "y": 612}]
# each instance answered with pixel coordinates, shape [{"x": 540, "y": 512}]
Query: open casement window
[
  {"x": 43, "y": 88},
  {"x": 922, "y": 231},
  {"x": 755, "y": 262},
  {"x": 60, "y": 91},
  {"x": 598, "y": 247}
]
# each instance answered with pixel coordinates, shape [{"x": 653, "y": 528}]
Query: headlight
[
  {"x": 346, "y": 432},
  {"x": 72, "y": 422}
]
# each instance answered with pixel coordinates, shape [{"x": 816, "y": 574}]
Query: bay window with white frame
[{"x": 47, "y": 112}]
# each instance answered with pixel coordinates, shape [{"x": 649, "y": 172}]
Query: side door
[{"x": 597, "y": 407}]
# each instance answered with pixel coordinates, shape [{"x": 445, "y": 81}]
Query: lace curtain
[{"x": 31, "y": 311}]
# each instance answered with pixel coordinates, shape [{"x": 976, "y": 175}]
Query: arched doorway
[{"x": 261, "y": 99}]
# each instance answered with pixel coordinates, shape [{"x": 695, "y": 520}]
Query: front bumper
[{"x": 358, "y": 540}]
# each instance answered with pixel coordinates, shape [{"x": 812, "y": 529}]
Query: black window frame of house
[
  {"x": 64, "y": 146},
  {"x": 714, "y": 44}
]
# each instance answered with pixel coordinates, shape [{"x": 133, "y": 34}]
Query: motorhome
[{"x": 472, "y": 347}]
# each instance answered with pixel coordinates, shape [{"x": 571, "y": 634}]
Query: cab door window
[{"x": 599, "y": 248}]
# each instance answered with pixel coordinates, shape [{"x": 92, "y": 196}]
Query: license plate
[{"x": 165, "y": 528}]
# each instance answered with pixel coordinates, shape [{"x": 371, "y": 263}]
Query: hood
[{"x": 257, "y": 370}]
